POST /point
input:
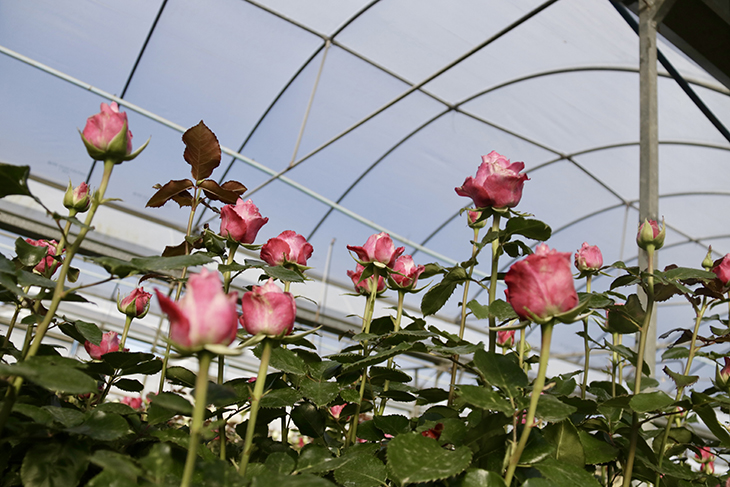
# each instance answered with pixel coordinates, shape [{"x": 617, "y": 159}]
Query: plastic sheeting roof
[{"x": 381, "y": 106}]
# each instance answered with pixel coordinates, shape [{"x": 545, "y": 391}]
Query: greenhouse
[{"x": 364, "y": 242}]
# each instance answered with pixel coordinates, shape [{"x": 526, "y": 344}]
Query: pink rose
[
  {"x": 133, "y": 402},
  {"x": 205, "y": 315},
  {"x": 135, "y": 304},
  {"x": 48, "y": 265},
  {"x": 707, "y": 459},
  {"x": 106, "y": 134},
  {"x": 506, "y": 338},
  {"x": 335, "y": 411},
  {"x": 498, "y": 183},
  {"x": 541, "y": 284},
  {"x": 268, "y": 310},
  {"x": 241, "y": 221},
  {"x": 378, "y": 248},
  {"x": 363, "y": 287},
  {"x": 109, "y": 343},
  {"x": 473, "y": 216},
  {"x": 588, "y": 258},
  {"x": 722, "y": 269},
  {"x": 78, "y": 198},
  {"x": 288, "y": 247},
  {"x": 405, "y": 275},
  {"x": 650, "y": 234}
]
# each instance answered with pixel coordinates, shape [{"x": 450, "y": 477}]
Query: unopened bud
[
  {"x": 650, "y": 235},
  {"x": 77, "y": 198}
]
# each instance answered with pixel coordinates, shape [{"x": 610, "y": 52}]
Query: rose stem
[
  {"x": 586, "y": 345},
  {"x": 178, "y": 291},
  {"x": 462, "y": 324},
  {"x": 127, "y": 323},
  {"x": 398, "y": 317},
  {"x": 221, "y": 358},
  {"x": 614, "y": 366},
  {"x": 629, "y": 468},
  {"x": 367, "y": 319},
  {"x": 493, "y": 281},
  {"x": 258, "y": 391},
  {"x": 284, "y": 424},
  {"x": 58, "y": 293},
  {"x": 201, "y": 390},
  {"x": 537, "y": 387},
  {"x": 699, "y": 313}
]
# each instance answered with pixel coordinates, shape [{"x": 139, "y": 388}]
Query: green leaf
[
  {"x": 392, "y": 424},
  {"x": 527, "y": 227},
  {"x": 482, "y": 478},
  {"x": 566, "y": 475},
  {"x": 683, "y": 273},
  {"x": 173, "y": 402},
  {"x": 180, "y": 376},
  {"x": 568, "y": 447},
  {"x": 679, "y": 379},
  {"x": 502, "y": 311},
  {"x": 129, "y": 385},
  {"x": 320, "y": 393},
  {"x": 54, "y": 464},
  {"x": 315, "y": 459},
  {"x": 280, "y": 462},
  {"x": 377, "y": 358},
  {"x": 552, "y": 409},
  {"x": 35, "y": 413},
  {"x": 414, "y": 458},
  {"x": 51, "y": 375},
  {"x": 362, "y": 471},
  {"x": 280, "y": 398},
  {"x": 484, "y": 398},
  {"x": 14, "y": 180},
  {"x": 650, "y": 401},
  {"x": 156, "y": 263},
  {"x": 596, "y": 451},
  {"x": 110, "y": 478},
  {"x": 378, "y": 375},
  {"x": 436, "y": 297},
  {"x": 707, "y": 415},
  {"x": 285, "y": 360},
  {"x": 627, "y": 318},
  {"x": 89, "y": 331},
  {"x": 126, "y": 360},
  {"x": 283, "y": 274},
  {"x": 309, "y": 420},
  {"x": 431, "y": 395},
  {"x": 116, "y": 267},
  {"x": 28, "y": 254},
  {"x": 102, "y": 426},
  {"x": 66, "y": 416},
  {"x": 501, "y": 371},
  {"x": 479, "y": 311},
  {"x": 269, "y": 479}
]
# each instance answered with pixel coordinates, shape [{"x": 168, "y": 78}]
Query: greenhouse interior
[{"x": 455, "y": 231}]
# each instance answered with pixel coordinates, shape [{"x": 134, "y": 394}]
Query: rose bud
[
  {"x": 289, "y": 248},
  {"x": 473, "y": 217},
  {"x": 204, "y": 316},
  {"x": 335, "y": 411},
  {"x": 722, "y": 269},
  {"x": 506, "y": 338},
  {"x": 107, "y": 136},
  {"x": 363, "y": 287},
  {"x": 541, "y": 285},
  {"x": 242, "y": 221},
  {"x": 268, "y": 310},
  {"x": 78, "y": 198},
  {"x": 109, "y": 343},
  {"x": 722, "y": 376},
  {"x": 405, "y": 273},
  {"x": 708, "y": 263},
  {"x": 498, "y": 183},
  {"x": 650, "y": 234},
  {"x": 48, "y": 265},
  {"x": 588, "y": 258},
  {"x": 378, "y": 248},
  {"x": 135, "y": 304}
]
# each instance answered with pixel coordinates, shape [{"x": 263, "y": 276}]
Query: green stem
[
  {"x": 127, "y": 323},
  {"x": 680, "y": 389},
  {"x": 493, "y": 282},
  {"x": 537, "y": 387},
  {"x": 614, "y": 366},
  {"x": 629, "y": 468},
  {"x": 258, "y": 391},
  {"x": 222, "y": 360},
  {"x": 586, "y": 346},
  {"x": 462, "y": 324},
  {"x": 12, "y": 325},
  {"x": 201, "y": 390},
  {"x": 398, "y": 317},
  {"x": 523, "y": 332}
]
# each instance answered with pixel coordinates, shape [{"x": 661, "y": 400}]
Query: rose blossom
[
  {"x": 706, "y": 459},
  {"x": 241, "y": 221},
  {"x": 541, "y": 284},
  {"x": 288, "y": 247},
  {"x": 588, "y": 258},
  {"x": 650, "y": 234},
  {"x": 104, "y": 134},
  {"x": 268, "y": 310},
  {"x": 335, "y": 411},
  {"x": 363, "y": 287},
  {"x": 506, "y": 338},
  {"x": 135, "y": 304},
  {"x": 109, "y": 343},
  {"x": 406, "y": 272},
  {"x": 48, "y": 265},
  {"x": 722, "y": 269},
  {"x": 205, "y": 315},
  {"x": 498, "y": 183},
  {"x": 78, "y": 198},
  {"x": 378, "y": 248},
  {"x": 133, "y": 402}
]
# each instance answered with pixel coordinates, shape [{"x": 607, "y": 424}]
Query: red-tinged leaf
[
  {"x": 234, "y": 186},
  {"x": 173, "y": 251},
  {"x": 215, "y": 192},
  {"x": 172, "y": 190},
  {"x": 183, "y": 199},
  {"x": 202, "y": 151}
]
